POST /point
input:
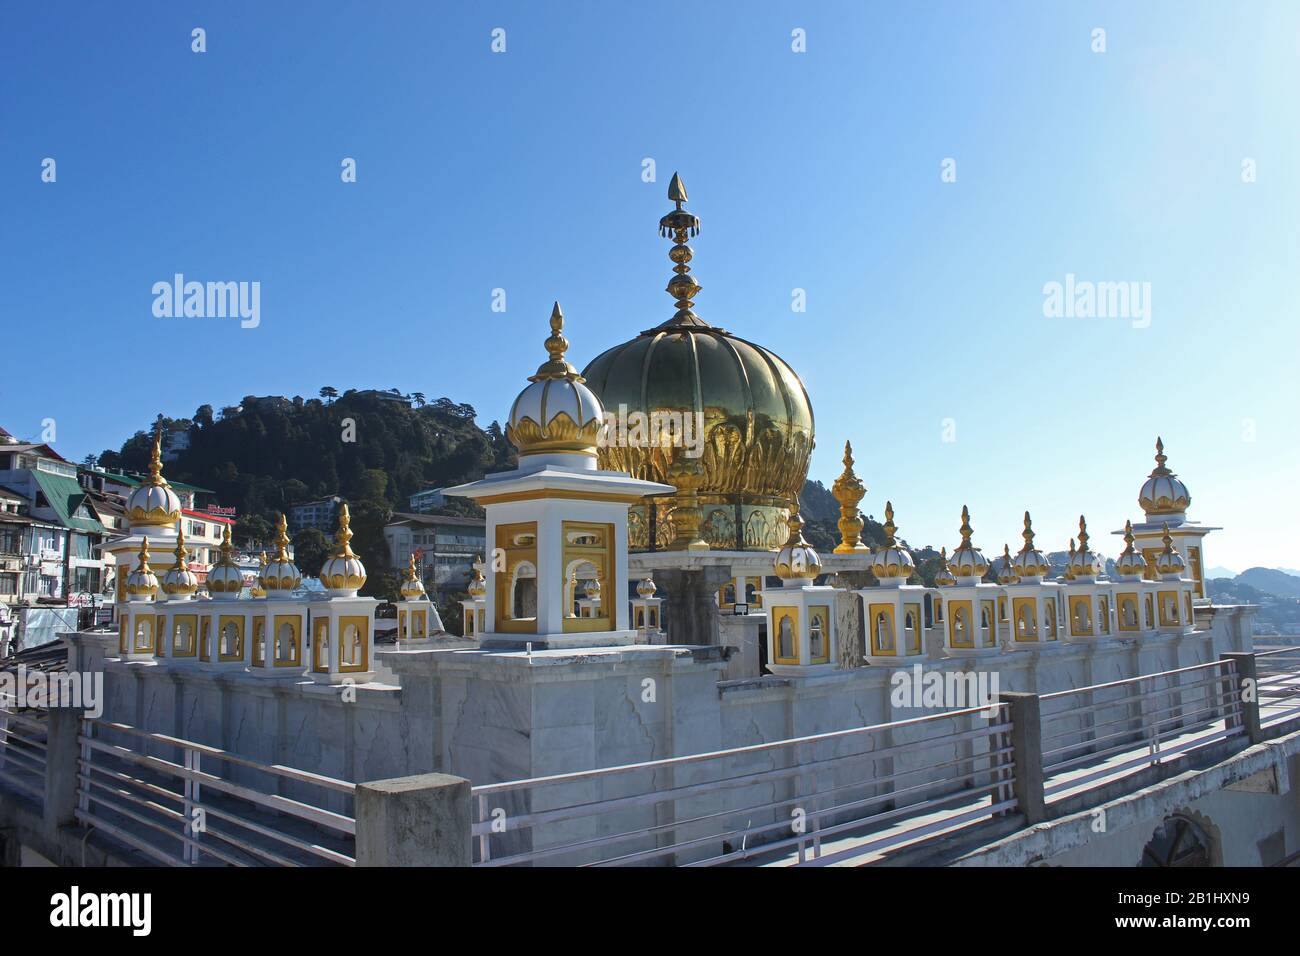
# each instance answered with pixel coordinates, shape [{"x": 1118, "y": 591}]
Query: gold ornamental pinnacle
[
  {"x": 849, "y": 490},
  {"x": 681, "y": 225},
  {"x": 557, "y": 368}
]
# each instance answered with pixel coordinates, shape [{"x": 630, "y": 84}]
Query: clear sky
[{"x": 818, "y": 170}]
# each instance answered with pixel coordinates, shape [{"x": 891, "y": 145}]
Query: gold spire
[
  {"x": 557, "y": 367},
  {"x": 155, "y": 459},
  {"x": 1128, "y": 537},
  {"x": 1069, "y": 563},
  {"x": 412, "y": 574},
  {"x": 1160, "y": 470},
  {"x": 681, "y": 225},
  {"x": 342, "y": 547},
  {"x": 848, "y": 490},
  {"x": 282, "y": 536},
  {"x": 965, "y": 530},
  {"x": 889, "y": 526},
  {"x": 478, "y": 585},
  {"x": 1083, "y": 534},
  {"x": 180, "y": 551},
  {"x": 144, "y": 568},
  {"x": 1028, "y": 534},
  {"x": 1007, "y": 573}
]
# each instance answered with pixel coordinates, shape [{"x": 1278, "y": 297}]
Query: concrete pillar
[
  {"x": 414, "y": 821},
  {"x": 1027, "y": 750},
  {"x": 62, "y": 726},
  {"x": 1245, "y": 683}
]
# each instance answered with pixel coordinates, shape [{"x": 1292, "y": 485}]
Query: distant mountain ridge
[{"x": 1270, "y": 581}]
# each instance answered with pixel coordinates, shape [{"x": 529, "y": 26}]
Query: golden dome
[
  {"x": 1169, "y": 561},
  {"x": 1006, "y": 568},
  {"x": 892, "y": 560},
  {"x": 1163, "y": 493},
  {"x": 142, "y": 582},
  {"x": 1131, "y": 563},
  {"x": 180, "y": 581},
  {"x": 796, "y": 561},
  {"x": 412, "y": 587},
  {"x": 556, "y": 413},
  {"x": 1084, "y": 563},
  {"x": 755, "y": 423},
  {"x": 967, "y": 561},
  {"x": 153, "y": 504},
  {"x": 258, "y": 590},
  {"x": 224, "y": 577},
  {"x": 943, "y": 577},
  {"x": 646, "y": 587},
  {"x": 477, "y": 585},
  {"x": 282, "y": 574},
  {"x": 342, "y": 571},
  {"x": 1029, "y": 561}
]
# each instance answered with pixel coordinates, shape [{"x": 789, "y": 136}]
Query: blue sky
[{"x": 817, "y": 170}]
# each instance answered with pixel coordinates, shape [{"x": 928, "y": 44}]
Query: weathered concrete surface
[{"x": 422, "y": 820}]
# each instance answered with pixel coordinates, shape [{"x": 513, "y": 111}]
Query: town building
[
  {"x": 445, "y": 547},
  {"x": 422, "y": 502},
  {"x": 321, "y": 515}
]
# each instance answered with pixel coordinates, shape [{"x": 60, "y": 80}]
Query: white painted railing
[
  {"x": 22, "y": 753},
  {"x": 1278, "y": 678}
]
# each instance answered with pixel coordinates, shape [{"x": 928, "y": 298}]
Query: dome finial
[
  {"x": 557, "y": 367},
  {"x": 1028, "y": 533},
  {"x": 180, "y": 551},
  {"x": 1161, "y": 458},
  {"x": 681, "y": 225},
  {"x": 848, "y": 490},
  {"x": 155, "y": 458},
  {"x": 1083, "y": 534},
  {"x": 1030, "y": 563},
  {"x": 342, "y": 545},
  {"x": 965, "y": 530},
  {"x": 281, "y": 538},
  {"x": 889, "y": 527}
]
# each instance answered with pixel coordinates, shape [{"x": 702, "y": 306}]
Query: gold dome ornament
[
  {"x": 797, "y": 560},
  {"x": 225, "y": 578},
  {"x": 967, "y": 561},
  {"x": 849, "y": 490},
  {"x": 342, "y": 573},
  {"x": 258, "y": 590},
  {"x": 1085, "y": 563},
  {"x": 1131, "y": 563},
  {"x": 1069, "y": 563},
  {"x": 943, "y": 577},
  {"x": 180, "y": 581},
  {"x": 1030, "y": 563},
  {"x": 153, "y": 504},
  {"x": 1006, "y": 568},
  {"x": 477, "y": 584},
  {"x": 1169, "y": 563},
  {"x": 749, "y": 418},
  {"x": 142, "y": 582},
  {"x": 645, "y": 588},
  {"x": 892, "y": 561},
  {"x": 556, "y": 413},
  {"x": 412, "y": 587},
  {"x": 1163, "y": 493},
  {"x": 282, "y": 575}
]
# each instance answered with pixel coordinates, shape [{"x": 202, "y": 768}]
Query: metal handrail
[{"x": 1092, "y": 688}]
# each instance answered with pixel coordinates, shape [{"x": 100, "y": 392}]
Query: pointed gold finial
[
  {"x": 1160, "y": 469},
  {"x": 1167, "y": 538},
  {"x": 889, "y": 526},
  {"x": 180, "y": 551},
  {"x": 557, "y": 367},
  {"x": 144, "y": 556},
  {"x": 1028, "y": 534},
  {"x": 412, "y": 574},
  {"x": 155, "y": 458},
  {"x": 1128, "y": 537},
  {"x": 966, "y": 530},
  {"x": 849, "y": 490},
  {"x": 226, "y": 547},
  {"x": 681, "y": 225},
  {"x": 281, "y": 538},
  {"x": 1083, "y": 534},
  {"x": 342, "y": 539}
]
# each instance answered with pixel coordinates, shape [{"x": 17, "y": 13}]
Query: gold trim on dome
[
  {"x": 560, "y": 434},
  {"x": 797, "y": 560},
  {"x": 1030, "y": 562},
  {"x": 1163, "y": 493},
  {"x": 1007, "y": 572},
  {"x": 967, "y": 561},
  {"x": 477, "y": 586},
  {"x": 944, "y": 577},
  {"x": 282, "y": 574},
  {"x": 142, "y": 582},
  {"x": 160, "y": 515},
  {"x": 1169, "y": 561},
  {"x": 343, "y": 570},
  {"x": 891, "y": 560},
  {"x": 225, "y": 577},
  {"x": 257, "y": 590},
  {"x": 849, "y": 490},
  {"x": 412, "y": 587},
  {"x": 1131, "y": 561},
  {"x": 179, "y": 579}
]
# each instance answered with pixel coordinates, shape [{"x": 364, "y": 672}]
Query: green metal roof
[
  {"x": 135, "y": 482},
  {"x": 65, "y": 497}
]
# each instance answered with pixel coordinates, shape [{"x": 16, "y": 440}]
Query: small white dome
[
  {"x": 967, "y": 561},
  {"x": 556, "y": 412},
  {"x": 180, "y": 581},
  {"x": 797, "y": 560},
  {"x": 1131, "y": 563},
  {"x": 142, "y": 582},
  {"x": 1163, "y": 493},
  {"x": 891, "y": 560},
  {"x": 153, "y": 504},
  {"x": 1084, "y": 563},
  {"x": 1169, "y": 562},
  {"x": 343, "y": 573}
]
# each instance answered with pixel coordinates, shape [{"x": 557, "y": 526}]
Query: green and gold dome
[{"x": 757, "y": 421}]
